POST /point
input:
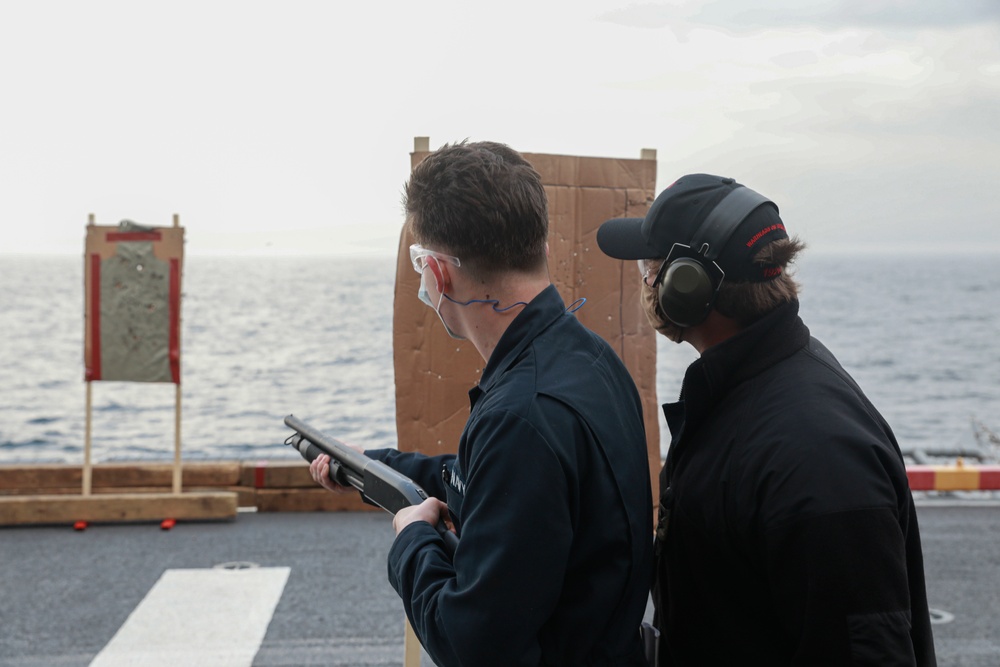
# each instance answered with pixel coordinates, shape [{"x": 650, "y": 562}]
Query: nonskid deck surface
[{"x": 298, "y": 588}]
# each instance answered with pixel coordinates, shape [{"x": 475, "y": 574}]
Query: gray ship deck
[{"x": 65, "y": 594}]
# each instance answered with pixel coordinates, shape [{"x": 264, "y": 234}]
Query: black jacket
[
  {"x": 551, "y": 496},
  {"x": 790, "y": 531}
]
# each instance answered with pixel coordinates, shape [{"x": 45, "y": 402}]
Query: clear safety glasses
[
  {"x": 650, "y": 270},
  {"x": 419, "y": 255}
]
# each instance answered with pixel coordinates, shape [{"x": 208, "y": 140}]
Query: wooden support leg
[
  {"x": 411, "y": 647},
  {"x": 177, "y": 440},
  {"x": 86, "y": 443}
]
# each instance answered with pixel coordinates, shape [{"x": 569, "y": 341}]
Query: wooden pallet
[
  {"x": 116, "y": 507},
  {"x": 142, "y": 491}
]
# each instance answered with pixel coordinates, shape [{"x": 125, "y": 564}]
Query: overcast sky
[{"x": 285, "y": 127}]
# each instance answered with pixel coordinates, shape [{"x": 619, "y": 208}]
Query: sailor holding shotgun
[{"x": 549, "y": 492}]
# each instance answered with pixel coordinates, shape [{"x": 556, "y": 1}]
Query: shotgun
[{"x": 378, "y": 484}]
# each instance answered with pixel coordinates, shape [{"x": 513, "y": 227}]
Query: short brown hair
[
  {"x": 482, "y": 202},
  {"x": 747, "y": 302}
]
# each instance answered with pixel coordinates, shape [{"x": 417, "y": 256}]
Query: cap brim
[{"x": 622, "y": 238}]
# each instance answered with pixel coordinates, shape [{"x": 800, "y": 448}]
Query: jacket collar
[
  {"x": 774, "y": 337},
  {"x": 537, "y": 316}
]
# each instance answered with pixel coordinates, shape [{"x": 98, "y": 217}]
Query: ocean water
[{"x": 265, "y": 337}]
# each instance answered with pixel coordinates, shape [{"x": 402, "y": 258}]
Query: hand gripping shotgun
[{"x": 379, "y": 484}]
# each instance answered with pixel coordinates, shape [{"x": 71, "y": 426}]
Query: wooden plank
[
  {"x": 40, "y": 476},
  {"x": 282, "y": 474},
  {"x": 57, "y": 475},
  {"x": 120, "y": 507},
  {"x": 310, "y": 500},
  {"x": 245, "y": 497},
  {"x": 217, "y": 473}
]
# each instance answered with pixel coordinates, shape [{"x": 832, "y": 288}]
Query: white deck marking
[{"x": 194, "y": 618}]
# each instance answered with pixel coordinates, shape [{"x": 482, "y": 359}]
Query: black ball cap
[
  {"x": 673, "y": 218},
  {"x": 676, "y": 216}
]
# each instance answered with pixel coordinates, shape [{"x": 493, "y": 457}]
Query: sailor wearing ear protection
[{"x": 786, "y": 531}]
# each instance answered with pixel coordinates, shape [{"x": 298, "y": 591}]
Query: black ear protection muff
[{"x": 690, "y": 279}]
